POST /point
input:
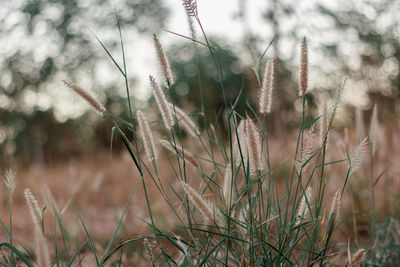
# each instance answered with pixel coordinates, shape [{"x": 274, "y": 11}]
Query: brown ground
[{"x": 100, "y": 186}]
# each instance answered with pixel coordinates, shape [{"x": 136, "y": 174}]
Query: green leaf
[
  {"x": 18, "y": 253},
  {"x": 128, "y": 146}
]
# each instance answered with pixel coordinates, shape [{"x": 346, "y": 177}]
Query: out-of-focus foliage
[
  {"x": 374, "y": 28},
  {"x": 43, "y": 38},
  {"x": 196, "y": 73},
  {"x": 56, "y": 42}
]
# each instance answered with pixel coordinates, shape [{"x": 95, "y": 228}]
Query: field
[
  {"x": 242, "y": 190},
  {"x": 99, "y": 188}
]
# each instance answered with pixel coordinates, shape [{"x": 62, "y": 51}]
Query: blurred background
[{"x": 45, "y": 41}]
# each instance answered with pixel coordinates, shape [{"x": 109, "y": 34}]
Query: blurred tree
[
  {"x": 43, "y": 38},
  {"x": 195, "y": 71},
  {"x": 283, "y": 27},
  {"x": 373, "y": 28}
]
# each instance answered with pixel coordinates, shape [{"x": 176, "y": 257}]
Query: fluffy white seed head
[
  {"x": 373, "y": 128},
  {"x": 335, "y": 206},
  {"x": 304, "y": 152},
  {"x": 36, "y": 212},
  {"x": 185, "y": 121},
  {"x": 163, "y": 60},
  {"x": 303, "y": 210},
  {"x": 267, "y": 88},
  {"x": 254, "y": 146},
  {"x": 240, "y": 147},
  {"x": 10, "y": 181},
  {"x": 359, "y": 155},
  {"x": 201, "y": 204},
  {"x": 163, "y": 104},
  {"x": 227, "y": 187},
  {"x": 303, "y": 68},
  {"x": 147, "y": 136},
  {"x": 192, "y": 29},
  {"x": 87, "y": 96},
  {"x": 41, "y": 249}
]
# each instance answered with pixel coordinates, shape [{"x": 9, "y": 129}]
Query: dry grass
[{"x": 100, "y": 186}]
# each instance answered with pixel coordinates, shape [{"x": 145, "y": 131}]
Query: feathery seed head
[
  {"x": 148, "y": 248},
  {"x": 200, "y": 203},
  {"x": 373, "y": 128},
  {"x": 356, "y": 258},
  {"x": 303, "y": 208},
  {"x": 227, "y": 187},
  {"x": 42, "y": 250},
  {"x": 10, "y": 182},
  {"x": 147, "y": 136},
  {"x": 267, "y": 88},
  {"x": 303, "y": 68},
  {"x": 254, "y": 146},
  {"x": 162, "y": 104},
  {"x": 335, "y": 207},
  {"x": 304, "y": 152},
  {"x": 358, "y": 158},
  {"x": 88, "y": 97},
  {"x": 190, "y": 7},
  {"x": 36, "y": 213},
  {"x": 192, "y": 28},
  {"x": 163, "y": 60},
  {"x": 185, "y": 121},
  {"x": 240, "y": 147}
]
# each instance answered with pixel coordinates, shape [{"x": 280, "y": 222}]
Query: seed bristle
[{"x": 87, "y": 96}]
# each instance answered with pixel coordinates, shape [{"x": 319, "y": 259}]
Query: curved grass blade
[
  {"x": 108, "y": 52},
  {"x": 109, "y": 245},
  {"x": 89, "y": 238},
  {"x": 121, "y": 245},
  {"x": 211, "y": 251},
  {"x": 77, "y": 253},
  {"x": 18, "y": 253},
  {"x": 127, "y": 145}
]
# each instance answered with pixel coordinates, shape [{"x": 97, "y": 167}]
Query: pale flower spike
[
  {"x": 162, "y": 58},
  {"x": 201, "y": 204},
  {"x": 267, "y": 88},
  {"x": 88, "y": 97},
  {"x": 303, "y": 68},
  {"x": 147, "y": 136},
  {"x": 373, "y": 128},
  {"x": 227, "y": 187},
  {"x": 240, "y": 146},
  {"x": 303, "y": 210},
  {"x": 162, "y": 103},
  {"x": 254, "y": 146},
  {"x": 358, "y": 158}
]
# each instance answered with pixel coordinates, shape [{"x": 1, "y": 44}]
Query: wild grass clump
[{"x": 237, "y": 210}]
